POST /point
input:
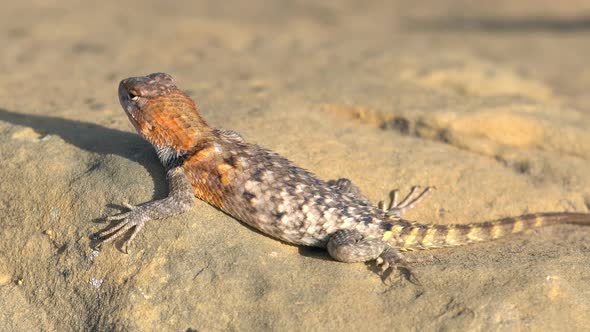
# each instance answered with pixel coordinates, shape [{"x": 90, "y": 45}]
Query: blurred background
[
  {"x": 214, "y": 42},
  {"x": 486, "y": 100}
]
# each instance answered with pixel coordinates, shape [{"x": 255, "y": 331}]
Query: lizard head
[
  {"x": 135, "y": 92},
  {"x": 161, "y": 113}
]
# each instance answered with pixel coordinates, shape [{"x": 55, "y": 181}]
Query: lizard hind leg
[
  {"x": 397, "y": 209},
  {"x": 350, "y": 246}
]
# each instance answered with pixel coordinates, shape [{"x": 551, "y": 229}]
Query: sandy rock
[{"x": 491, "y": 107}]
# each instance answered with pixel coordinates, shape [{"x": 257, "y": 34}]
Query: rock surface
[{"x": 487, "y": 102}]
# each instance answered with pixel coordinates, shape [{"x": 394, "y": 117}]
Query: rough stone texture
[{"x": 487, "y": 102}]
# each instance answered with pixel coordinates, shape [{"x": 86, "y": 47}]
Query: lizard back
[{"x": 270, "y": 193}]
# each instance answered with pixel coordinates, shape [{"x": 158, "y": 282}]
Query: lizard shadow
[
  {"x": 97, "y": 139},
  {"x": 315, "y": 252}
]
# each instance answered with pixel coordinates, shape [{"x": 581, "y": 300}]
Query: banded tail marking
[{"x": 415, "y": 236}]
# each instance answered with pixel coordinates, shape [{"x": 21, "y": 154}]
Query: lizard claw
[{"x": 129, "y": 219}]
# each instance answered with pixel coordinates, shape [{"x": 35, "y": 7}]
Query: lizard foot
[
  {"x": 391, "y": 260},
  {"x": 396, "y": 208},
  {"x": 350, "y": 246},
  {"x": 135, "y": 217}
]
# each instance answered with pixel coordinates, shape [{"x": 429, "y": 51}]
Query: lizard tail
[{"x": 415, "y": 236}]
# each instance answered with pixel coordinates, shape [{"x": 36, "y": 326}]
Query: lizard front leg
[{"x": 180, "y": 199}]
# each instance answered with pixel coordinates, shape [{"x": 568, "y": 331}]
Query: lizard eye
[{"x": 133, "y": 96}]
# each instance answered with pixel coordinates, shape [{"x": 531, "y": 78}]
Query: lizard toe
[{"x": 122, "y": 215}]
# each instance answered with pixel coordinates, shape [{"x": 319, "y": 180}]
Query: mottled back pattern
[{"x": 267, "y": 191}]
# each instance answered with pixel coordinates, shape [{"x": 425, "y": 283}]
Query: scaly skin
[{"x": 268, "y": 192}]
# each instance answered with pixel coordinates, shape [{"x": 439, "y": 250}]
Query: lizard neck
[{"x": 173, "y": 125}]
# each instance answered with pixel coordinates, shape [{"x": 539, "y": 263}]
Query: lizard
[{"x": 267, "y": 191}]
